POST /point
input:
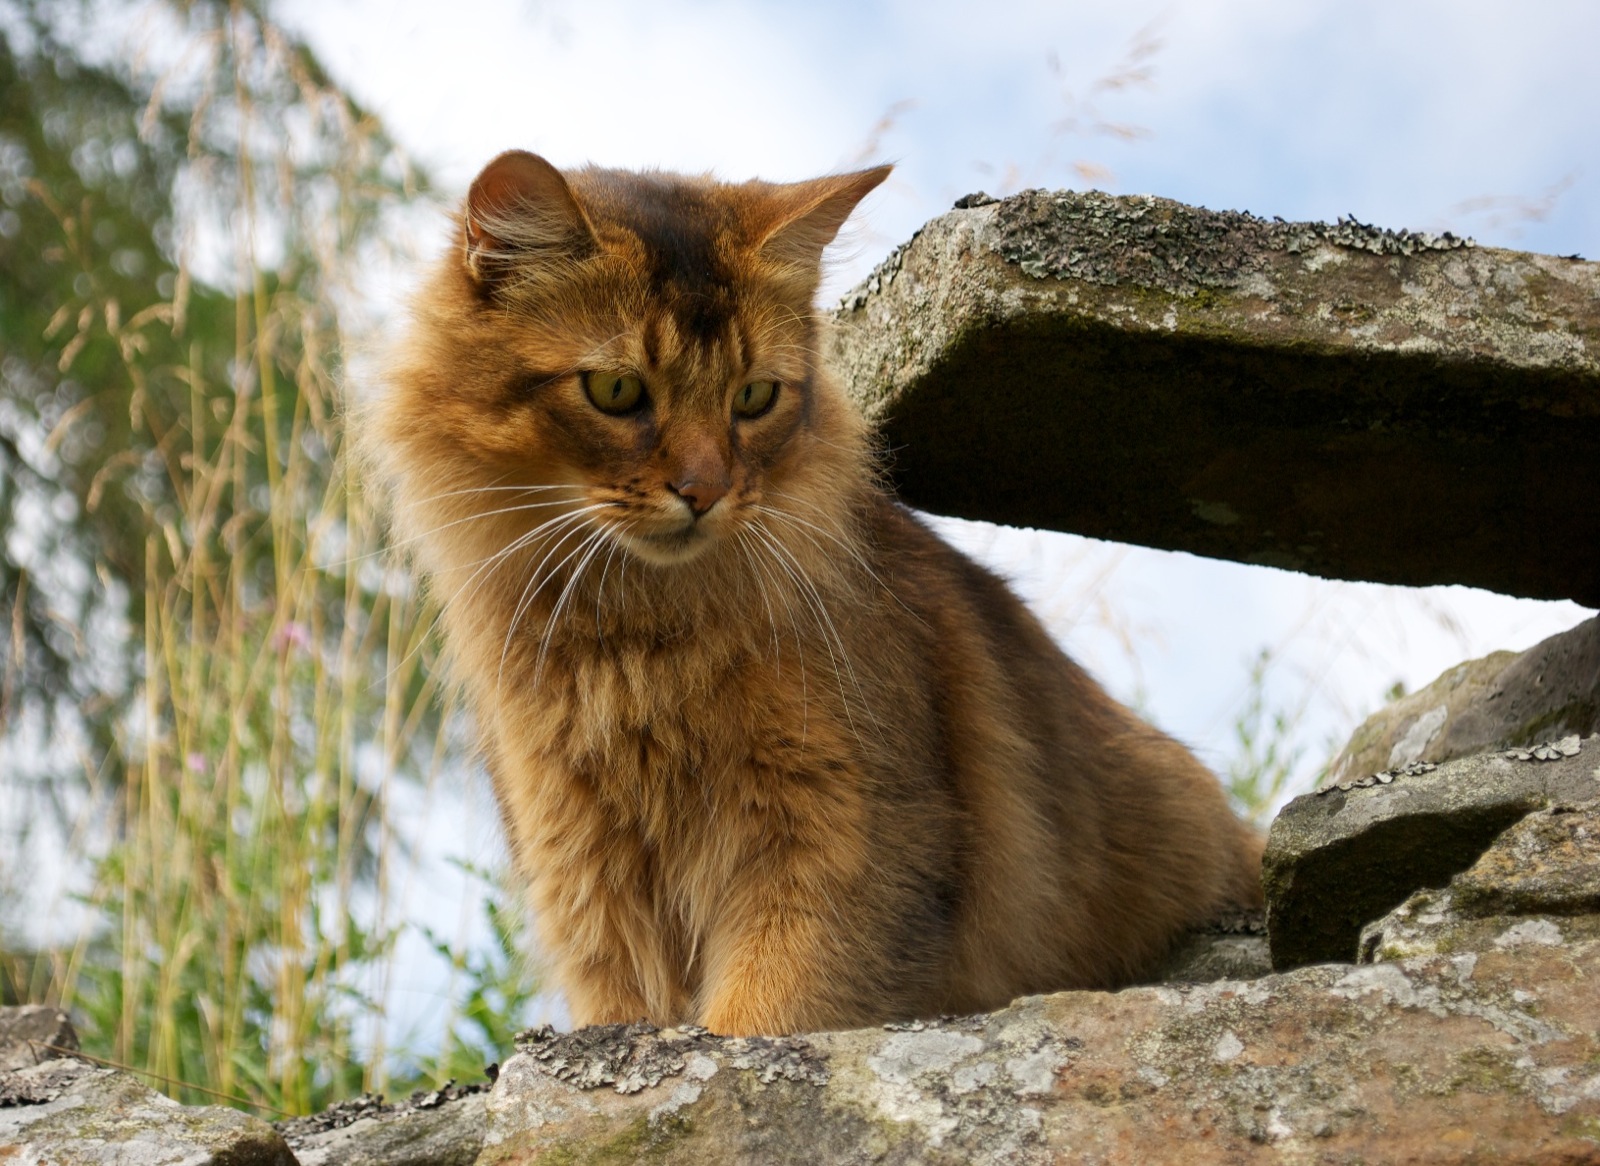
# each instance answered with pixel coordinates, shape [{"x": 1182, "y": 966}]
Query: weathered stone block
[
  {"x": 57, "y": 1110},
  {"x": 442, "y": 1127},
  {"x": 1538, "y": 883},
  {"x": 1549, "y": 691},
  {"x": 1342, "y": 857},
  {"x": 32, "y": 1033},
  {"x": 1232, "y": 948},
  {"x": 1431, "y": 1060},
  {"x": 1549, "y": 862},
  {"x": 68, "y": 1113},
  {"x": 1355, "y": 403}
]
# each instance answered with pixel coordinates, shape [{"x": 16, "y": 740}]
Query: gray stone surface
[
  {"x": 33, "y": 1033},
  {"x": 1427, "y": 1060},
  {"x": 1336, "y": 399},
  {"x": 65, "y": 1112},
  {"x": 1342, "y": 857},
  {"x": 1232, "y": 948},
  {"x": 1469, "y": 1031},
  {"x": 59, "y": 1110},
  {"x": 440, "y": 1128},
  {"x": 1503, "y": 699},
  {"x": 1538, "y": 883},
  {"x": 1207, "y": 957},
  {"x": 1547, "y": 863},
  {"x": 1430, "y": 923}
]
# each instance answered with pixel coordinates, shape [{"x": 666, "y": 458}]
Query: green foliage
[
  {"x": 171, "y": 450},
  {"x": 498, "y": 985},
  {"x": 1265, "y": 755},
  {"x": 83, "y": 204}
]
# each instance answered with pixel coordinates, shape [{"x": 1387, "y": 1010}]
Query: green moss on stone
[
  {"x": 644, "y": 1140},
  {"x": 1484, "y": 1070}
]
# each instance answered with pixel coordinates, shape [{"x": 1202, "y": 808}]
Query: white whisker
[
  {"x": 593, "y": 543},
  {"x": 600, "y": 591},
  {"x": 825, "y": 624},
  {"x": 538, "y": 577},
  {"x": 799, "y": 642},
  {"x": 843, "y": 544}
]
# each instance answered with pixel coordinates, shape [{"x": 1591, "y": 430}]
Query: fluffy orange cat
[{"x": 771, "y": 756}]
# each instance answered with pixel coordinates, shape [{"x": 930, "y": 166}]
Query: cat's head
[{"x": 640, "y": 347}]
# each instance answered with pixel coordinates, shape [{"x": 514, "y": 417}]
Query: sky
[
  {"x": 1476, "y": 116},
  {"x": 1469, "y": 114}
]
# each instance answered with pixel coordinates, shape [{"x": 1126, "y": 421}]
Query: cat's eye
[
  {"x": 613, "y": 392},
  {"x": 755, "y": 398}
]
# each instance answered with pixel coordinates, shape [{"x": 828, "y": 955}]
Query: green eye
[
  {"x": 755, "y": 398},
  {"x": 613, "y": 392}
]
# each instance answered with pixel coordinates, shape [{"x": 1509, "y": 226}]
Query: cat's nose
[{"x": 701, "y": 495}]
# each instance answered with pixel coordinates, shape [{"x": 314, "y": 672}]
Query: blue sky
[
  {"x": 1471, "y": 115},
  {"x": 1400, "y": 112}
]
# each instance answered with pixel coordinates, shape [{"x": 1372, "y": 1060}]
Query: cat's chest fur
[
  {"x": 674, "y": 739},
  {"x": 642, "y": 773}
]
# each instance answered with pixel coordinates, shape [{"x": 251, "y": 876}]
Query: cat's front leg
[
  {"x": 793, "y": 948},
  {"x": 608, "y": 952},
  {"x": 599, "y": 928},
  {"x": 775, "y": 971}
]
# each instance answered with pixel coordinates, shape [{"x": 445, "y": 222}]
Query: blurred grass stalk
[{"x": 241, "y": 935}]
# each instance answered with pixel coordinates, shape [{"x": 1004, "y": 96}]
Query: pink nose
[{"x": 701, "y": 496}]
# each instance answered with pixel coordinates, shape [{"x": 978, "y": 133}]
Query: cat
[{"x": 770, "y": 755}]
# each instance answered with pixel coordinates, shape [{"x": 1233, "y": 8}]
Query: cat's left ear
[
  {"x": 520, "y": 205},
  {"x": 811, "y": 213}
]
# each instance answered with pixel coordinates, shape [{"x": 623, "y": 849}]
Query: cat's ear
[
  {"x": 811, "y": 213},
  {"x": 520, "y": 205}
]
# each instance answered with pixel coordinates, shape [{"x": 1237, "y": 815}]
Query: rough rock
[
  {"x": 1548, "y": 862},
  {"x": 1550, "y": 691},
  {"x": 1470, "y": 1031},
  {"x": 442, "y": 1127},
  {"x": 1539, "y": 883},
  {"x": 1233, "y": 948},
  {"x": 66, "y": 1112},
  {"x": 33, "y": 1033},
  {"x": 1144, "y": 371},
  {"x": 1340, "y": 858},
  {"x": 1428, "y": 1060}
]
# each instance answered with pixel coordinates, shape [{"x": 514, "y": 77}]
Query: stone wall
[{"x": 1337, "y": 399}]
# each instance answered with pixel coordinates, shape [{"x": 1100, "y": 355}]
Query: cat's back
[{"x": 1095, "y": 837}]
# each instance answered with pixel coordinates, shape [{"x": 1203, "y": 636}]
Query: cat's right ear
[{"x": 520, "y": 207}]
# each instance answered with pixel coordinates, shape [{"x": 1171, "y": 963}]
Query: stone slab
[
  {"x": 1233, "y": 947},
  {"x": 437, "y": 1128},
  {"x": 1548, "y": 863},
  {"x": 65, "y": 1112},
  {"x": 1342, "y": 857},
  {"x": 1503, "y": 699},
  {"x": 1330, "y": 398},
  {"x": 1537, "y": 884},
  {"x": 31, "y": 1033},
  {"x": 1439, "y": 1059}
]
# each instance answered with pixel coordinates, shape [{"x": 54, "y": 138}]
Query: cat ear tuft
[
  {"x": 520, "y": 205},
  {"x": 812, "y": 213}
]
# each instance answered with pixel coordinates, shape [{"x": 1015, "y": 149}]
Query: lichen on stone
[
  {"x": 342, "y": 1114},
  {"x": 878, "y": 279},
  {"x": 633, "y": 1057},
  {"x": 1158, "y": 243},
  {"x": 39, "y": 1085}
]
